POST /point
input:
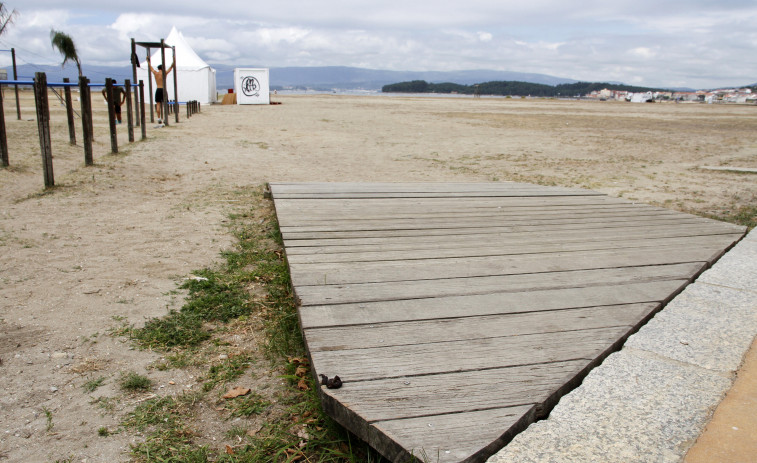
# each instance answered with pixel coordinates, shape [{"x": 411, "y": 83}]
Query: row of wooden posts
[{"x": 43, "y": 119}]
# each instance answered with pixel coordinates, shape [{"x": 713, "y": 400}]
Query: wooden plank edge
[{"x": 394, "y": 451}]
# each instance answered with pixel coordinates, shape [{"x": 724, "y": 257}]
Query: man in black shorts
[
  {"x": 158, "y": 74},
  {"x": 119, "y": 96}
]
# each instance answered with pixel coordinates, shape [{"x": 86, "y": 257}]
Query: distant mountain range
[{"x": 317, "y": 78}]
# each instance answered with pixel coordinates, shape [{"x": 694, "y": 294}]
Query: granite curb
[{"x": 651, "y": 400}]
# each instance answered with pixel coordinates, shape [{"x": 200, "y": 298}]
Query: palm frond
[{"x": 65, "y": 45}]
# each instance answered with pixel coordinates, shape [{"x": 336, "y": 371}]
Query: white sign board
[{"x": 251, "y": 86}]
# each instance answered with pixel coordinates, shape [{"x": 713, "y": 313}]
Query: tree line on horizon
[{"x": 510, "y": 87}]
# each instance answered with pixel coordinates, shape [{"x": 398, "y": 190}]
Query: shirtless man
[
  {"x": 159, "y": 93},
  {"x": 119, "y": 97}
]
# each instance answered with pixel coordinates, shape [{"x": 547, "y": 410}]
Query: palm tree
[
  {"x": 5, "y": 17},
  {"x": 65, "y": 45}
]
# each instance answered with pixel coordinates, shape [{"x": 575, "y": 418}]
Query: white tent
[{"x": 196, "y": 79}]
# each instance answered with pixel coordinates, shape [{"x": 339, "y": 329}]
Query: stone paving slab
[
  {"x": 707, "y": 326},
  {"x": 650, "y": 401}
]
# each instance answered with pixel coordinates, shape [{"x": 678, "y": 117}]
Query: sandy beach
[{"x": 110, "y": 244}]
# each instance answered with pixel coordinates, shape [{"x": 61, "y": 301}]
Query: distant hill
[
  {"x": 319, "y": 78},
  {"x": 511, "y": 87}
]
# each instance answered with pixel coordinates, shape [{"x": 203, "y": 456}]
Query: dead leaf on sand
[
  {"x": 303, "y": 385},
  {"x": 236, "y": 392}
]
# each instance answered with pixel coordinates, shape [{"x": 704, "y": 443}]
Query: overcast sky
[{"x": 665, "y": 43}]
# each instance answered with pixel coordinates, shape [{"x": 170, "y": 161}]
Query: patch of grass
[
  {"x": 168, "y": 437},
  {"x": 236, "y": 431},
  {"x": 106, "y": 403},
  {"x": 134, "y": 382},
  {"x": 122, "y": 329},
  {"x": 743, "y": 215},
  {"x": 93, "y": 384},
  {"x": 248, "y": 405},
  {"x": 103, "y": 432},
  {"x": 181, "y": 358},
  {"x": 228, "y": 370},
  {"x": 177, "y": 329}
]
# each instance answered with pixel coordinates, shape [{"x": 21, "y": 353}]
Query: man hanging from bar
[{"x": 159, "y": 92}]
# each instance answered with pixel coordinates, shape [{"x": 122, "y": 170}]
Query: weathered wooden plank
[
  {"x": 458, "y": 329},
  {"x": 366, "y": 313},
  {"x": 459, "y": 437},
  {"x": 543, "y": 236},
  {"x": 392, "y": 291},
  {"x": 520, "y": 227},
  {"x": 490, "y": 221},
  {"x": 469, "y": 355},
  {"x": 465, "y": 267},
  {"x": 478, "y": 194},
  {"x": 404, "y": 206},
  {"x": 368, "y": 216},
  {"x": 488, "y": 248},
  {"x": 524, "y": 199},
  {"x": 439, "y": 394},
  {"x": 381, "y": 187},
  {"x": 282, "y": 190}
]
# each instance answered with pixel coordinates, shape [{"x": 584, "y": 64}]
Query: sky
[{"x": 655, "y": 43}]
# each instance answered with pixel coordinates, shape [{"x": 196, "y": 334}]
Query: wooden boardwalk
[{"x": 456, "y": 314}]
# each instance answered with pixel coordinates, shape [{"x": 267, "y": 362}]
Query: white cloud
[
  {"x": 638, "y": 41},
  {"x": 643, "y": 52}
]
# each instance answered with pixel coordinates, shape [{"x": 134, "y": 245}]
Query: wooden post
[
  {"x": 189, "y": 106},
  {"x": 15, "y": 77},
  {"x": 129, "y": 113},
  {"x": 111, "y": 115},
  {"x": 149, "y": 86},
  {"x": 134, "y": 60},
  {"x": 175, "y": 85},
  {"x": 43, "y": 126},
  {"x": 86, "y": 119},
  {"x": 164, "y": 106},
  {"x": 3, "y": 137},
  {"x": 69, "y": 112},
  {"x": 142, "y": 113}
]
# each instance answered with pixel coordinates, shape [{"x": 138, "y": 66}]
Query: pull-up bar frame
[{"x": 162, "y": 45}]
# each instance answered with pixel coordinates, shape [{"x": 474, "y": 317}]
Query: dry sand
[{"x": 115, "y": 239}]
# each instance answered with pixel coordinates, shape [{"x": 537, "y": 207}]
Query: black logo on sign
[{"x": 250, "y": 86}]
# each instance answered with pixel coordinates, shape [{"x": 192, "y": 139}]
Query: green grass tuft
[
  {"x": 93, "y": 384},
  {"x": 228, "y": 370},
  {"x": 744, "y": 215},
  {"x": 134, "y": 382},
  {"x": 169, "y": 438},
  {"x": 248, "y": 405}
]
